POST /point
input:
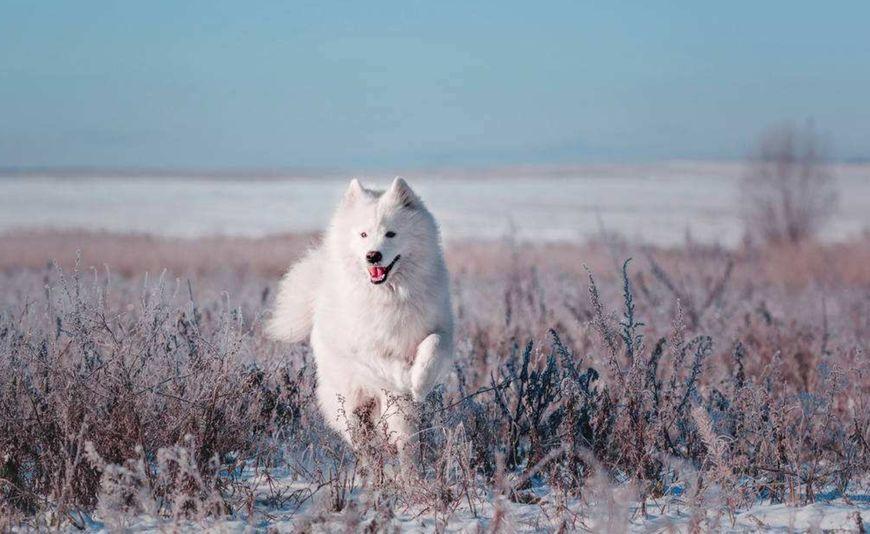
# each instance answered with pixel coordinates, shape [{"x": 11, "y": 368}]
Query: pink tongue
[{"x": 377, "y": 272}]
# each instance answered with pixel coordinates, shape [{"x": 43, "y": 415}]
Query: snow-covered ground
[
  {"x": 654, "y": 203},
  {"x": 283, "y": 504},
  {"x": 835, "y": 515}
]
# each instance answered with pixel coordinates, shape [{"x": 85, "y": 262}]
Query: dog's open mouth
[{"x": 378, "y": 273}]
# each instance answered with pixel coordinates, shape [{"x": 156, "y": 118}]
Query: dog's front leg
[{"x": 433, "y": 354}]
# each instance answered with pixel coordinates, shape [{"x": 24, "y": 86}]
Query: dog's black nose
[{"x": 373, "y": 256}]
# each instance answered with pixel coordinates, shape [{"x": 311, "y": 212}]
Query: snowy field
[
  {"x": 135, "y": 401},
  {"x": 612, "y": 514},
  {"x": 75, "y": 385},
  {"x": 654, "y": 203}
]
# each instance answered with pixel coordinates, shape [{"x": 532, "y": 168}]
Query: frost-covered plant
[{"x": 699, "y": 376}]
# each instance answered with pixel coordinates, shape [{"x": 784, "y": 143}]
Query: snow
[
  {"x": 673, "y": 515},
  {"x": 837, "y": 516},
  {"x": 655, "y": 203}
]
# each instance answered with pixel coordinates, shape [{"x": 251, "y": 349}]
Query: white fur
[{"x": 371, "y": 341}]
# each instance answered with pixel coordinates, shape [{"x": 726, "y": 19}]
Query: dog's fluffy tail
[{"x": 294, "y": 305}]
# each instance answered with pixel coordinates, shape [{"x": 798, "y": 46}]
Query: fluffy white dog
[{"x": 374, "y": 298}]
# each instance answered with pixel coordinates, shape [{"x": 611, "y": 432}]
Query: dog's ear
[
  {"x": 401, "y": 194},
  {"x": 354, "y": 192}
]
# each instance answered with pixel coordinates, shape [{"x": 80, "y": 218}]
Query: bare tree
[{"x": 788, "y": 190}]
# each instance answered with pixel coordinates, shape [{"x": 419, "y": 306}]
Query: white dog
[{"x": 374, "y": 298}]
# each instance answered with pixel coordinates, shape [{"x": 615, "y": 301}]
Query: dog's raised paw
[{"x": 424, "y": 370}]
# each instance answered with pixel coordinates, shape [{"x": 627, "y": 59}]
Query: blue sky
[{"x": 415, "y": 84}]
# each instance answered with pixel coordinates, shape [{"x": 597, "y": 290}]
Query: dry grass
[
  {"x": 132, "y": 255},
  {"x": 696, "y": 375}
]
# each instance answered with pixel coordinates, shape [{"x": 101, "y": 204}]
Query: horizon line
[{"x": 289, "y": 171}]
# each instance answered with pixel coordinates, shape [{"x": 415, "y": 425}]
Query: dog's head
[{"x": 383, "y": 237}]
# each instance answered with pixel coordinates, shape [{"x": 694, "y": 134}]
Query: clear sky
[{"x": 396, "y": 84}]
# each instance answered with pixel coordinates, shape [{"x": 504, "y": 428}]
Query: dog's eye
[
  {"x": 363, "y": 235},
  {"x": 390, "y": 234}
]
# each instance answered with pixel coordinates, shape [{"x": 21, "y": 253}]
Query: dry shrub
[{"x": 788, "y": 190}]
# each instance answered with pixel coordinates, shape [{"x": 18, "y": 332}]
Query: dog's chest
[
  {"x": 367, "y": 330},
  {"x": 397, "y": 337},
  {"x": 394, "y": 333}
]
